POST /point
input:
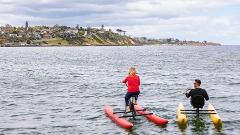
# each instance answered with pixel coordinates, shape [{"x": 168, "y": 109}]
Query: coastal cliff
[{"x": 79, "y": 36}]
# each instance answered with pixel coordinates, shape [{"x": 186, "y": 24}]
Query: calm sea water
[{"x": 62, "y": 90}]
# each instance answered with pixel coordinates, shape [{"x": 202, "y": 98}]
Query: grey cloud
[{"x": 75, "y": 8}]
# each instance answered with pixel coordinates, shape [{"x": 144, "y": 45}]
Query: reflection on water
[
  {"x": 182, "y": 127},
  {"x": 218, "y": 128},
  {"x": 198, "y": 124}
]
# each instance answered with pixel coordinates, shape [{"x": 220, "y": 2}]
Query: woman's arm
[
  {"x": 125, "y": 80},
  {"x": 139, "y": 82}
]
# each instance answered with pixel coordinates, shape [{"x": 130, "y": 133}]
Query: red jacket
[{"x": 133, "y": 83}]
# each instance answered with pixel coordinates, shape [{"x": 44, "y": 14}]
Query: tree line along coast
[{"x": 11, "y": 36}]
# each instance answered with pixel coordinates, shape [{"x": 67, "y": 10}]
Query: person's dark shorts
[{"x": 129, "y": 95}]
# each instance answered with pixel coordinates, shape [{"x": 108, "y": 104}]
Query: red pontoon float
[
  {"x": 153, "y": 118},
  {"x": 116, "y": 118},
  {"x": 136, "y": 111}
]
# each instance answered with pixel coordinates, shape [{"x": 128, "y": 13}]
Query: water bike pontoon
[
  {"x": 197, "y": 104},
  {"x": 135, "y": 110}
]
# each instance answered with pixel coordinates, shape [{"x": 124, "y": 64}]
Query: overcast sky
[{"x": 212, "y": 20}]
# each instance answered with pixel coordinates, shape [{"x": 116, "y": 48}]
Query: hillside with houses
[{"x": 77, "y": 36}]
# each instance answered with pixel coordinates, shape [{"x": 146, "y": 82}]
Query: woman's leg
[
  {"x": 127, "y": 97},
  {"x": 136, "y": 98}
]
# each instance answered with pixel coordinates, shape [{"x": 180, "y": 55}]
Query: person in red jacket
[{"x": 133, "y": 82}]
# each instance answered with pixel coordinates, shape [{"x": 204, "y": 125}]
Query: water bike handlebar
[{"x": 124, "y": 83}]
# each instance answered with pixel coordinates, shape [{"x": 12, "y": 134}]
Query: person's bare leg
[
  {"x": 127, "y": 109},
  {"x": 135, "y": 102}
]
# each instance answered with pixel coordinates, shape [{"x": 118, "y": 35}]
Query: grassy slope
[
  {"x": 93, "y": 39},
  {"x": 56, "y": 41},
  {"x": 53, "y": 41}
]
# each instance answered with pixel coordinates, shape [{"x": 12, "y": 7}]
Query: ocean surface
[{"x": 63, "y": 90}]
